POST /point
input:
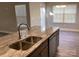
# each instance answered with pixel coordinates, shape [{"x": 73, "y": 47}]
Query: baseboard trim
[{"x": 67, "y": 29}]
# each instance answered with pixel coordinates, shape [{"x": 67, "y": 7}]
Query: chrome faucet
[
  {"x": 20, "y": 33},
  {"x": 20, "y": 27}
]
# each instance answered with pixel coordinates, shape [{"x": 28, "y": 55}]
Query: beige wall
[
  {"x": 69, "y": 26},
  {"x": 7, "y": 17},
  {"x": 8, "y": 21},
  {"x": 35, "y": 13}
]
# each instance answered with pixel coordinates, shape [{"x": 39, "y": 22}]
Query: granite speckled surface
[{"x": 9, "y": 39}]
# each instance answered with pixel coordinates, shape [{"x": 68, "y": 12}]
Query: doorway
[{"x": 20, "y": 11}]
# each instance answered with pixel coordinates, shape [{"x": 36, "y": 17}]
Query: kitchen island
[{"x": 36, "y": 49}]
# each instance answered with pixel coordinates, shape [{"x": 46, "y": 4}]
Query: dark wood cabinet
[
  {"x": 44, "y": 52},
  {"x": 41, "y": 51}
]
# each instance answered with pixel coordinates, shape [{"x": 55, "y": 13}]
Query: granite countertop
[{"x": 9, "y": 39}]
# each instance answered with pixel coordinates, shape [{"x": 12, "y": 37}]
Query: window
[{"x": 64, "y": 13}]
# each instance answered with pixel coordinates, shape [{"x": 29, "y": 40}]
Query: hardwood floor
[{"x": 68, "y": 44}]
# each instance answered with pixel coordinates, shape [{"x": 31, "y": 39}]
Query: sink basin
[
  {"x": 16, "y": 45},
  {"x": 26, "y": 43},
  {"x": 32, "y": 39}
]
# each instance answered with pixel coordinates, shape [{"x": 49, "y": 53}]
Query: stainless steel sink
[
  {"x": 32, "y": 39},
  {"x": 3, "y": 34},
  {"x": 26, "y": 43},
  {"x": 16, "y": 45}
]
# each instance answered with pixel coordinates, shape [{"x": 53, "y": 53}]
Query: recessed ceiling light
[{"x": 60, "y": 6}]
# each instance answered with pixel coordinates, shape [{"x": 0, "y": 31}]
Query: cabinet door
[
  {"x": 41, "y": 51},
  {"x": 44, "y": 52},
  {"x": 52, "y": 46}
]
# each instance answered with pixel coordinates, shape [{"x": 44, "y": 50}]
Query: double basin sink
[{"x": 25, "y": 43}]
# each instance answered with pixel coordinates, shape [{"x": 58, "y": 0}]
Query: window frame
[{"x": 63, "y": 15}]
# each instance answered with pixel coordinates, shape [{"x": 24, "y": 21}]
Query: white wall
[{"x": 35, "y": 13}]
